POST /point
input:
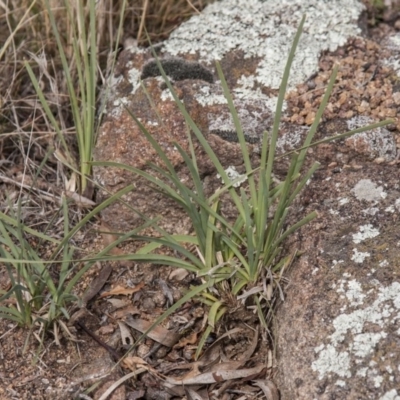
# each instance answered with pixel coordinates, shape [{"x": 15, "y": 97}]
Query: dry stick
[
  {"x": 111, "y": 350},
  {"x": 45, "y": 195},
  {"x": 97, "y": 283}
]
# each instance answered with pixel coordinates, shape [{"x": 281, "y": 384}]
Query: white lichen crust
[
  {"x": 266, "y": 29},
  {"x": 361, "y": 323}
]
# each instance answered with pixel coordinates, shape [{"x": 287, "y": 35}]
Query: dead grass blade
[
  {"x": 22, "y": 21},
  {"x": 217, "y": 376}
]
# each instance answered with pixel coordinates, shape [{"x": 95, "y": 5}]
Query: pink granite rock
[{"x": 338, "y": 329}]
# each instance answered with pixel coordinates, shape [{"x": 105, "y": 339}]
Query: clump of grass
[
  {"x": 84, "y": 69},
  {"x": 65, "y": 74},
  {"x": 244, "y": 259},
  {"x": 35, "y": 297},
  {"x": 70, "y": 48},
  {"x": 42, "y": 290}
]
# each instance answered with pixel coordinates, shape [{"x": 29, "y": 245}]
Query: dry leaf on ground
[
  {"x": 158, "y": 334},
  {"x": 214, "y": 377},
  {"x": 122, "y": 290},
  {"x": 269, "y": 389}
]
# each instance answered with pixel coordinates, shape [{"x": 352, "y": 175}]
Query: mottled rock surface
[
  {"x": 243, "y": 36},
  {"x": 338, "y": 331},
  {"x": 339, "y": 326}
]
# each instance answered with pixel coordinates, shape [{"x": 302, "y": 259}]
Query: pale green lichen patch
[
  {"x": 369, "y": 311},
  {"x": 359, "y": 257},
  {"x": 233, "y": 175},
  {"x": 330, "y": 360},
  {"x": 393, "y": 43},
  {"x": 375, "y": 143},
  {"x": 134, "y": 79},
  {"x": 260, "y": 33},
  {"x": 251, "y": 26},
  {"x": 357, "y": 333},
  {"x": 391, "y": 395},
  {"x": 365, "y": 232},
  {"x": 367, "y": 190}
]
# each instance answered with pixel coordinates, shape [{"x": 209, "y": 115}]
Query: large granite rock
[
  {"x": 338, "y": 329},
  {"x": 243, "y": 35},
  {"x": 338, "y": 335}
]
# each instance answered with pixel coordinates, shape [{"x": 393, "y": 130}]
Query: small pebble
[
  {"x": 142, "y": 350},
  {"x": 148, "y": 304},
  {"x": 176, "y": 294},
  {"x": 161, "y": 352},
  {"x": 159, "y": 299},
  {"x": 188, "y": 354}
]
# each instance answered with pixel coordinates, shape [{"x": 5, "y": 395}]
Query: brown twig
[{"x": 110, "y": 349}]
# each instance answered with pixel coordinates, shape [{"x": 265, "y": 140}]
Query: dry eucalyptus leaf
[
  {"x": 191, "y": 339},
  {"x": 178, "y": 274},
  {"x": 122, "y": 313},
  {"x": 158, "y": 333},
  {"x": 97, "y": 283},
  {"x": 192, "y": 395},
  {"x": 122, "y": 290},
  {"x": 118, "y": 303},
  {"x": 107, "y": 236},
  {"x": 269, "y": 389},
  {"x": 218, "y": 376},
  {"x": 251, "y": 349},
  {"x": 126, "y": 337},
  {"x": 80, "y": 200}
]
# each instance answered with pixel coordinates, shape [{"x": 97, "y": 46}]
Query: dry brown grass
[{"x": 28, "y": 167}]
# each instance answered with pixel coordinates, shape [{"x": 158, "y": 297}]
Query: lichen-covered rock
[
  {"x": 338, "y": 333},
  {"x": 243, "y": 36}
]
